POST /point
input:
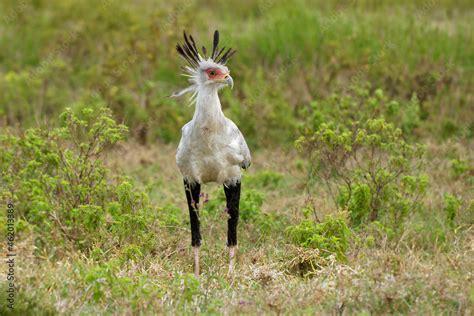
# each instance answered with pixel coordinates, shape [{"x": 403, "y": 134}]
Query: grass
[
  {"x": 382, "y": 274},
  {"x": 299, "y": 64}
]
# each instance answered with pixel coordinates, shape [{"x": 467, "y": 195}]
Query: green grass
[{"x": 116, "y": 240}]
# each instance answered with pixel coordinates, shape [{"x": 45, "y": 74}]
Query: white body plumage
[{"x": 212, "y": 148}]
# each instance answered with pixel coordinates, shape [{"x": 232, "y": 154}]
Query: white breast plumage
[{"x": 212, "y": 149}]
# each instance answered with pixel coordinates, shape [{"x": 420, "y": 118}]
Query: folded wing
[{"x": 241, "y": 144}]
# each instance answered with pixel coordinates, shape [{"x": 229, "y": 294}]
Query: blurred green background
[{"x": 56, "y": 54}]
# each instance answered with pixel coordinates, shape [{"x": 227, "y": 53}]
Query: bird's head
[
  {"x": 203, "y": 70},
  {"x": 211, "y": 73}
]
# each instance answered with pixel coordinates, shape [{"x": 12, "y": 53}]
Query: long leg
[
  {"x": 192, "y": 195},
  {"x": 232, "y": 194}
]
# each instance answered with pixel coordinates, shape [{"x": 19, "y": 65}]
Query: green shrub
[
  {"x": 330, "y": 236},
  {"x": 459, "y": 167},
  {"x": 358, "y": 203},
  {"x": 452, "y": 206},
  {"x": 60, "y": 185},
  {"x": 370, "y": 166}
]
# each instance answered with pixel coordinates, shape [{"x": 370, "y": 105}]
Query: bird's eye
[{"x": 212, "y": 73}]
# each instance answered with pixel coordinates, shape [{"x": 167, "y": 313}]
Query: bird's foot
[{"x": 196, "y": 261}]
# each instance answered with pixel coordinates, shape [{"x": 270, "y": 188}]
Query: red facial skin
[{"x": 215, "y": 74}]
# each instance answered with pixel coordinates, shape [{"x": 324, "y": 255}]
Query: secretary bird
[{"x": 212, "y": 148}]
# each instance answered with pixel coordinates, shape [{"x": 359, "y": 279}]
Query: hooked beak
[{"x": 229, "y": 81}]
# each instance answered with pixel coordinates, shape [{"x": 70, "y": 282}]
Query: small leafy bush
[
  {"x": 369, "y": 167},
  {"x": 330, "y": 236},
  {"x": 452, "y": 206},
  {"x": 60, "y": 185},
  {"x": 459, "y": 167}
]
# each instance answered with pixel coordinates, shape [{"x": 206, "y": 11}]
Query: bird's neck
[{"x": 208, "y": 107}]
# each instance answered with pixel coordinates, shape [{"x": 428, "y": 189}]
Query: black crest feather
[
  {"x": 215, "y": 44},
  {"x": 227, "y": 55},
  {"x": 190, "y": 53},
  {"x": 219, "y": 53}
]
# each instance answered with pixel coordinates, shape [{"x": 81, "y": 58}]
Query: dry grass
[{"x": 272, "y": 277}]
